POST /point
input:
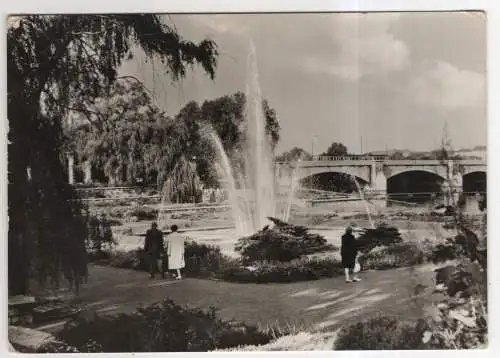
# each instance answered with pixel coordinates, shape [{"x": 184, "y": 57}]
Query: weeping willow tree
[
  {"x": 182, "y": 184},
  {"x": 123, "y": 144},
  {"x": 58, "y": 64}
]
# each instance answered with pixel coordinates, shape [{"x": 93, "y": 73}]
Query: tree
[
  {"x": 57, "y": 64},
  {"x": 398, "y": 155},
  {"x": 119, "y": 140},
  {"x": 272, "y": 124},
  {"x": 335, "y": 150},
  {"x": 226, "y": 115},
  {"x": 293, "y": 155}
]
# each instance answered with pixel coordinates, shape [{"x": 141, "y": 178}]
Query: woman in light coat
[{"x": 175, "y": 251}]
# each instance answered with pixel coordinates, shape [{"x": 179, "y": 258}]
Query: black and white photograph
[{"x": 235, "y": 182}]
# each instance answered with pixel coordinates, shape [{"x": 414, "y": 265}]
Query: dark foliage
[
  {"x": 464, "y": 244},
  {"x": 396, "y": 255},
  {"x": 201, "y": 260},
  {"x": 284, "y": 272},
  {"x": 144, "y": 213},
  {"x": 205, "y": 260},
  {"x": 163, "y": 327},
  {"x": 283, "y": 242},
  {"x": 99, "y": 234},
  {"x": 382, "y": 235},
  {"x": 382, "y": 333}
]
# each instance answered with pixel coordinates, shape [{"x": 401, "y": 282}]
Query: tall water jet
[
  {"x": 259, "y": 172},
  {"x": 251, "y": 184}
]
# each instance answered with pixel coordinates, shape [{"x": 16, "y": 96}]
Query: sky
[{"x": 371, "y": 81}]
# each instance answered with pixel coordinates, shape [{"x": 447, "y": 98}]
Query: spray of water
[
  {"x": 362, "y": 196},
  {"x": 251, "y": 191},
  {"x": 238, "y": 205}
]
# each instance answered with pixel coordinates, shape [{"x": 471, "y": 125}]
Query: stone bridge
[{"x": 376, "y": 172}]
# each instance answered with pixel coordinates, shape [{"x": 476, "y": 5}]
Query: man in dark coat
[
  {"x": 349, "y": 251},
  {"x": 154, "y": 249}
]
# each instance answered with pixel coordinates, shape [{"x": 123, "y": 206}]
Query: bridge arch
[
  {"x": 474, "y": 182},
  {"x": 362, "y": 173},
  {"x": 337, "y": 181},
  {"x": 415, "y": 185},
  {"x": 407, "y": 171}
]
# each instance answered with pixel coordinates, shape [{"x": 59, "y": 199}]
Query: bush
[
  {"x": 382, "y": 235},
  {"x": 99, "y": 233},
  {"x": 205, "y": 260},
  {"x": 143, "y": 213},
  {"x": 382, "y": 333},
  {"x": 464, "y": 244},
  {"x": 135, "y": 259},
  {"x": 281, "y": 272},
  {"x": 201, "y": 260},
  {"x": 397, "y": 255},
  {"x": 284, "y": 243},
  {"x": 163, "y": 327}
]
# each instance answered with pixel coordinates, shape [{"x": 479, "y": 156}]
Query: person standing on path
[
  {"x": 175, "y": 251},
  {"x": 154, "y": 249},
  {"x": 349, "y": 251}
]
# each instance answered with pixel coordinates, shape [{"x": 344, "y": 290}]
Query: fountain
[{"x": 251, "y": 191}]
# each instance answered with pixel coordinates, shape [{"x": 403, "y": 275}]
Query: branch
[
  {"x": 85, "y": 111},
  {"x": 129, "y": 77}
]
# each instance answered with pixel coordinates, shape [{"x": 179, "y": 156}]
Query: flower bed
[
  {"x": 397, "y": 255},
  {"x": 279, "y": 272},
  {"x": 382, "y": 333},
  {"x": 201, "y": 260}
]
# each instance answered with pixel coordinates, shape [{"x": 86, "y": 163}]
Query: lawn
[{"x": 312, "y": 306}]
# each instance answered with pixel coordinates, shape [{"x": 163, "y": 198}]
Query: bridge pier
[
  {"x": 378, "y": 183},
  {"x": 456, "y": 186}
]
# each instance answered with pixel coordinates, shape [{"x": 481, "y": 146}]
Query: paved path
[{"x": 311, "y": 305}]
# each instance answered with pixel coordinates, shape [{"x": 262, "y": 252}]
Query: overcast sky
[{"x": 391, "y": 79}]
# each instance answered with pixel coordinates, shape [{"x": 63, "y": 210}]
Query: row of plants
[
  {"x": 201, "y": 260},
  {"x": 162, "y": 327},
  {"x": 283, "y": 272},
  {"x": 204, "y": 261}
]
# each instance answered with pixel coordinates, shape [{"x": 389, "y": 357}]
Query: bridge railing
[{"x": 327, "y": 158}]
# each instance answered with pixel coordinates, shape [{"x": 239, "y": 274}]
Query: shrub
[
  {"x": 284, "y": 243},
  {"x": 382, "y": 235},
  {"x": 143, "y": 213},
  {"x": 382, "y": 333},
  {"x": 163, "y": 327},
  {"x": 465, "y": 244},
  {"x": 99, "y": 233},
  {"x": 460, "y": 321},
  {"x": 135, "y": 259},
  {"x": 205, "y": 260},
  {"x": 397, "y": 255},
  {"x": 56, "y": 347},
  {"x": 281, "y": 272},
  {"x": 201, "y": 260}
]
